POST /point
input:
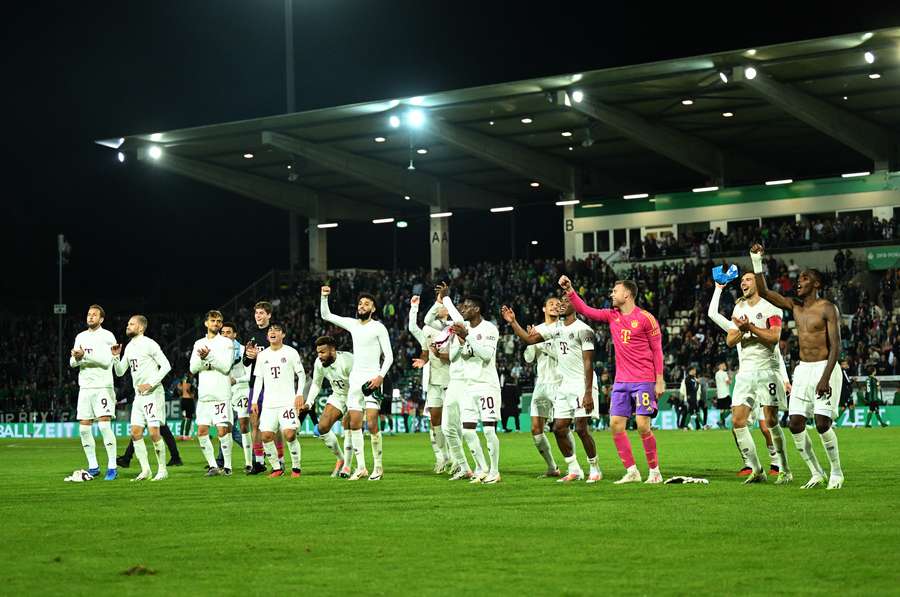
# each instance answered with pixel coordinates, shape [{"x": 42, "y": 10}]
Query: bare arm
[
  {"x": 834, "y": 348},
  {"x": 529, "y": 337},
  {"x": 756, "y": 254},
  {"x": 767, "y": 336}
]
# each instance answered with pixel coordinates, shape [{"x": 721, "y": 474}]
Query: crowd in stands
[
  {"x": 677, "y": 293},
  {"x": 811, "y": 233}
]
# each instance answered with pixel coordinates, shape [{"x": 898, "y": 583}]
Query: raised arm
[
  {"x": 120, "y": 365},
  {"x": 713, "y": 311},
  {"x": 529, "y": 337},
  {"x": 455, "y": 315},
  {"x": 431, "y": 317},
  {"x": 413, "y": 325},
  {"x": 756, "y": 256},
  {"x": 327, "y": 315}
]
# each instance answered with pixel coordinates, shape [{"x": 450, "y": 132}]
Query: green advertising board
[{"x": 879, "y": 258}]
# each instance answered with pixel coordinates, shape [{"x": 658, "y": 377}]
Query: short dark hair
[
  {"x": 264, "y": 305},
  {"x": 142, "y": 320},
  {"x": 366, "y": 295},
  {"x": 99, "y": 308},
  {"x": 325, "y": 341},
  {"x": 630, "y": 286},
  {"x": 277, "y": 325},
  {"x": 230, "y": 324},
  {"x": 817, "y": 276},
  {"x": 479, "y": 302},
  {"x": 213, "y": 313}
]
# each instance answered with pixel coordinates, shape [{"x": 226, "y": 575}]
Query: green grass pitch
[{"x": 417, "y": 533}]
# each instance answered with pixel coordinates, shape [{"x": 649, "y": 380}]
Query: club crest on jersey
[
  {"x": 284, "y": 359},
  {"x": 478, "y": 337},
  {"x": 759, "y": 315},
  {"x": 634, "y": 323}
]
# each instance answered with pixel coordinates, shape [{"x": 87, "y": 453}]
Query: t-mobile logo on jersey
[
  {"x": 276, "y": 371},
  {"x": 134, "y": 363}
]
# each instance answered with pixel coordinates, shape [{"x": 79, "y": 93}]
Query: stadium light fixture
[
  {"x": 592, "y": 205},
  {"x": 750, "y": 73},
  {"x": 568, "y": 202},
  {"x": 534, "y": 184},
  {"x": 874, "y": 75},
  {"x": 687, "y": 102},
  {"x": 750, "y": 53},
  {"x": 867, "y": 36},
  {"x": 855, "y": 174},
  {"x": 394, "y": 121},
  {"x": 121, "y": 157},
  {"x": 870, "y": 57},
  {"x": 328, "y": 225},
  {"x": 248, "y": 156},
  {"x": 527, "y": 120},
  {"x": 491, "y": 123},
  {"x": 402, "y": 224},
  {"x": 156, "y": 137},
  {"x": 380, "y": 139},
  {"x": 442, "y": 214},
  {"x": 155, "y": 152},
  {"x": 497, "y": 210},
  {"x": 417, "y": 101},
  {"x": 727, "y": 114},
  {"x": 772, "y": 183},
  {"x": 571, "y": 148},
  {"x": 576, "y": 78},
  {"x": 705, "y": 189},
  {"x": 651, "y": 200},
  {"x": 846, "y": 98},
  {"x": 534, "y": 242},
  {"x": 421, "y": 151},
  {"x": 723, "y": 77},
  {"x": 407, "y": 197},
  {"x": 415, "y": 118},
  {"x": 566, "y": 133},
  {"x": 383, "y": 221},
  {"x": 577, "y": 96},
  {"x": 636, "y": 196}
]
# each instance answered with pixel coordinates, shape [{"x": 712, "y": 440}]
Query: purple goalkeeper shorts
[{"x": 633, "y": 398}]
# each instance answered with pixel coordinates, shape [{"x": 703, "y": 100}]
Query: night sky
[{"x": 141, "y": 237}]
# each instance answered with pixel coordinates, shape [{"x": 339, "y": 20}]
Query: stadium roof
[{"x": 806, "y": 109}]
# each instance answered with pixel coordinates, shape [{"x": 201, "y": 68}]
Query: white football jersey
[
  {"x": 753, "y": 354},
  {"x": 480, "y": 356},
  {"x": 212, "y": 379},
  {"x": 570, "y": 342},
  {"x": 338, "y": 374},
  {"x": 279, "y": 375},
  {"x": 146, "y": 360},
  {"x": 371, "y": 341},
  {"x": 547, "y": 362},
  {"x": 95, "y": 367}
]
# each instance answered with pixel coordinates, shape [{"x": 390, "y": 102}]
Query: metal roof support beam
[
  {"x": 530, "y": 164},
  {"x": 421, "y": 186},
  {"x": 696, "y": 154},
  {"x": 289, "y": 196},
  {"x": 861, "y": 135}
]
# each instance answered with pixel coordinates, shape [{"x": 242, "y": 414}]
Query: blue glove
[
  {"x": 724, "y": 277},
  {"x": 237, "y": 350}
]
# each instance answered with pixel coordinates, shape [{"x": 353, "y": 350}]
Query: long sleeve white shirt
[
  {"x": 147, "y": 363},
  {"x": 371, "y": 341},
  {"x": 95, "y": 367},
  {"x": 212, "y": 372}
]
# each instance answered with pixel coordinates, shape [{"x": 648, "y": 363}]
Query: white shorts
[
  {"x": 149, "y": 411},
  {"x": 338, "y": 401},
  {"x": 542, "y": 400},
  {"x": 94, "y": 403},
  {"x": 568, "y": 403},
  {"x": 273, "y": 419},
  {"x": 356, "y": 400},
  {"x": 213, "y": 413},
  {"x": 480, "y": 404},
  {"x": 804, "y": 400},
  {"x": 434, "y": 398},
  {"x": 455, "y": 393},
  {"x": 240, "y": 404},
  {"x": 758, "y": 388}
]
